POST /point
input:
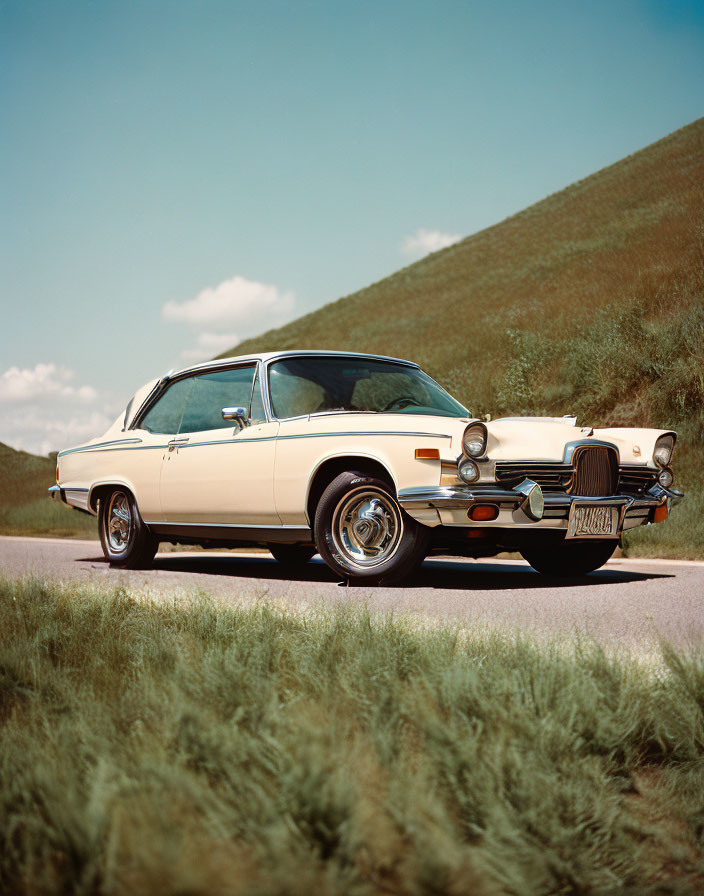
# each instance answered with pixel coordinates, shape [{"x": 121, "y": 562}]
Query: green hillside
[
  {"x": 589, "y": 302},
  {"x": 26, "y": 508}
]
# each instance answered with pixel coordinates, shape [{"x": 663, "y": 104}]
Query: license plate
[{"x": 593, "y": 521}]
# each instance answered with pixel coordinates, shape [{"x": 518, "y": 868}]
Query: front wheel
[
  {"x": 125, "y": 539},
  {"x": 575, "y": 559},
  {"x": 361, "y": 531}
]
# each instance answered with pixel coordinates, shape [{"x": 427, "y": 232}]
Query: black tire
[
  {"x": 570, "y": 559},
  {"x": 133, "y": 546},
  {"x": 391, "y": 544},
  {"x": 291, "y": 555}
]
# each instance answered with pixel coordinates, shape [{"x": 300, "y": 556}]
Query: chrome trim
[
  {"x": 98, "y": 445},
  {"x": 527, "y": 488},
  {"x": 246, "y": 441},
  {"x": 571, "y": 447},
  {"x": 367, "y": 527},
  {"x": 175, "y": 376},
  {"x": 322, "y": 435}
]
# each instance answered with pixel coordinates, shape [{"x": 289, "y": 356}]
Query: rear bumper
[
  {"x": 74, "y": 497},
  {"x": 449, "y": 506}
]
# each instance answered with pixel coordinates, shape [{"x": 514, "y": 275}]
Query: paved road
[{"x": 628, "y": 601}]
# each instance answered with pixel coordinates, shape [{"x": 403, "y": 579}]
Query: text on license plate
[{"x": 592, "y": 520}]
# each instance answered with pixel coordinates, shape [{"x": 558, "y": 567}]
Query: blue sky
[{"x": 176, "y": 174}]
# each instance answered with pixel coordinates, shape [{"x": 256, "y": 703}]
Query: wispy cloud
[
  {"x": 43, "y": 409},
  {"x": 422, "y": 242},
  {"x": 235, "y": 301},
  {"x": 245, "y": 306}
]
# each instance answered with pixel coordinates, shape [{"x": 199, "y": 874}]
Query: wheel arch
[
  {"x": 100, "y": 489},
  {"x": 330, "y": 467}
]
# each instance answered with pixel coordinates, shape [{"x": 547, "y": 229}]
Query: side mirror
[{"x": 236, "y": 415}]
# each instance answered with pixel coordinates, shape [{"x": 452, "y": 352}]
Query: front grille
[
  {"x": 636, "y": 480},
  {"x": 595, "y": 473},
  {"x": 550, "y": 477}
]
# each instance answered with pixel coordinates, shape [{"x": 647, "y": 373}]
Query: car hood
[{"x": 547, "y": 438}]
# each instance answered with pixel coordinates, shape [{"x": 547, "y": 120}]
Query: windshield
[{"x": 309, "y": 385}]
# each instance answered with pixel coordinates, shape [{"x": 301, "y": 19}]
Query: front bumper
[{"x": 450, "y": 505}]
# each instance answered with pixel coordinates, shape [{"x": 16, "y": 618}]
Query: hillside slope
[
  {"x": 614, "y": 236},
  {"x": 589, "y": 302},
  {"x": 25, "y": 506}
]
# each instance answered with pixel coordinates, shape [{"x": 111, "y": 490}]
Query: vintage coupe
[{"x": 363, "y": 458}]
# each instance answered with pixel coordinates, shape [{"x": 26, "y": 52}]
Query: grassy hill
[
  {"x": 590, "y": 302},
  {"x": 25, "y": 507}
]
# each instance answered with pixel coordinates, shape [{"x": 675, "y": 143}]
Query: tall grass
[{"x": 147, "y": 748}]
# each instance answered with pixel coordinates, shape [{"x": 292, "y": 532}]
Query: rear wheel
[
  {"x": 291, "y": 555},
  {"x": 361, "y": 531},
  {"x": 125, "y": 539},
  {"x": 575, "y": 559}
]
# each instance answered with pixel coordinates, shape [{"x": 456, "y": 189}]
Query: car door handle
[{"x": 174, "y": 443}]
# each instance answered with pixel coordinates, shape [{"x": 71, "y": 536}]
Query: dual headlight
[{"x": 473, "y": 446}]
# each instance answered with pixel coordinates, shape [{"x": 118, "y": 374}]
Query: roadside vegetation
[
  {"x": 150, "y": 748},
  {"x": 25, "y": 505}
]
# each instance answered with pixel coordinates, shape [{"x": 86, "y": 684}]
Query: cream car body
[{"x": 257, "y": 477}]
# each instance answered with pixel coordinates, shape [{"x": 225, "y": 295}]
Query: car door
[
  {"x": 142, "y": 463},
  {"x": 215, "y": 472}
]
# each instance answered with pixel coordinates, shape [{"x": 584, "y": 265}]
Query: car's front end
[{"x": 521, "y": 480}]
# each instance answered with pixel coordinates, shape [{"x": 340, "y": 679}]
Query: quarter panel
[{"x": 134, "y": 461}]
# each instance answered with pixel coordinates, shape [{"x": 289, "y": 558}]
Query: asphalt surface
[{"x": 630, "y": 602}]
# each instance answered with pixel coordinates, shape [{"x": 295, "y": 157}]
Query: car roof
[{"x": 268, "y": 356}]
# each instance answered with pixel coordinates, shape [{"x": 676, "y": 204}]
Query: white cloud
[
  {"x": 422, "y": 242},
  {"x": 209, "y": 345},
  {"x": 42, "y": 380},
  {"x": 42, "y": 409},
  {"x": 236, "y": 301}
]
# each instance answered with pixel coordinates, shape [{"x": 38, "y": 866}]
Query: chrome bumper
[
  {"x": 449, "y": 506},
  {"x": 73, "y": 497}
]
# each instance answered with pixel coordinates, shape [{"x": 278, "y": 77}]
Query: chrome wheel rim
[
  {"x": 120, "y": 522},
  {"x": 367, "y": 527}
]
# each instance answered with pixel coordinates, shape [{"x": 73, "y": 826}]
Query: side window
[
  {"x": 256, "y": 413},
  {"x": 291, "y": 395},
  {"x": 165, "y": 416},
  {"x": 211, "y": 393}
]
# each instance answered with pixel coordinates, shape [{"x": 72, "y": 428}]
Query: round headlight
[
  {"x": 468, "y": 470},
  {"x": 474, "y": 440},
  {"x": 663, "y": 450},
  {"x": 665, "y": 477}
]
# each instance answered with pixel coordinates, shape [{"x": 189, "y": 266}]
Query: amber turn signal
[
  {"x": 660, "y": 513},
  {"x": 483, "y": 512},
  {"x": 427, "y": 454}
]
